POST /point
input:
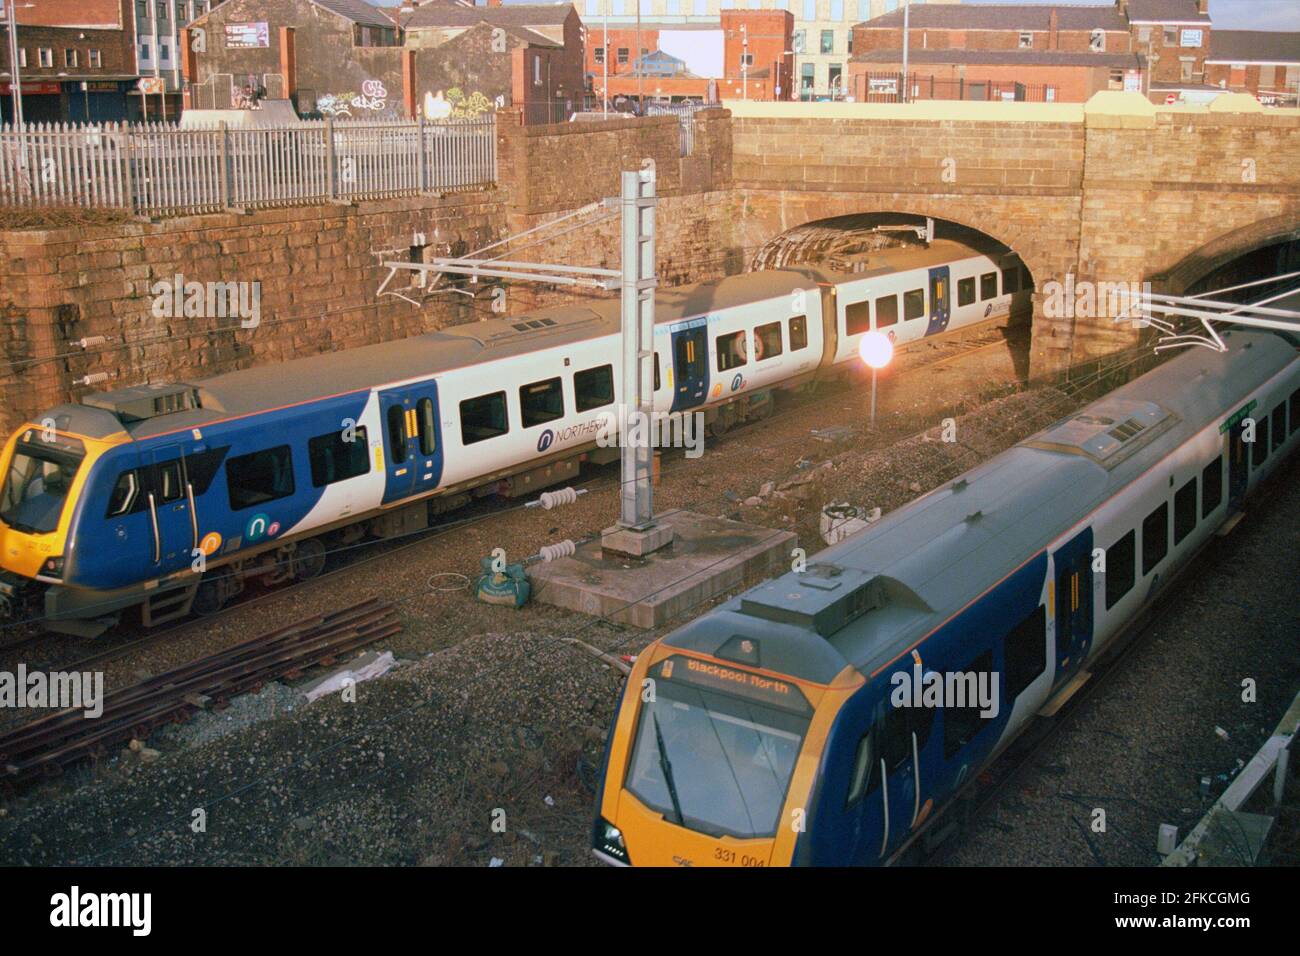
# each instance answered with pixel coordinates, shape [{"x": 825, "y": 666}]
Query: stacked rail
[{"x": 44, "y": 747}]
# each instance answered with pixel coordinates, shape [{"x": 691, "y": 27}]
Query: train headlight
[
  {"x": 609, "y": 840},
  {"x": 52, "y": 568}
]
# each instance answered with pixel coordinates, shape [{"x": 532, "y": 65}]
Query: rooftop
[
  {"x": 1022, "y": 57},
  {"x": 1253, "y": 46},
  {"x": 1008, "y": 16}
]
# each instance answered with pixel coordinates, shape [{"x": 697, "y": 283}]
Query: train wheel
[
  {"x": 309, "y": 559},
  {"x": 216, "y": 588}
]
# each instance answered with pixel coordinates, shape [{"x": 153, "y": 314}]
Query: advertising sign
[{"x": 247, "y": 36}]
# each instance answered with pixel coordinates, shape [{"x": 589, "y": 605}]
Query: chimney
[
  {"x": 1203, "y": 7},
  {"x": 1053, "y": 29}
]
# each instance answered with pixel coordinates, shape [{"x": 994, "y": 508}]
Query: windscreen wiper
[{"x": 667, "y": 767}]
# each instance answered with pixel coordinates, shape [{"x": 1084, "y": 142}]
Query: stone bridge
[{"x": 1114, "y": 190}]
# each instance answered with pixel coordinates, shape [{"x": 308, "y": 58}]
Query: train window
[
  {"x": 733, "y": 350},
  {"x": 260, "y": 477},
  {"x": 1155, "y": 538},
  {"x": 1279, "y": 426},
  {"x": 483, "y": 417},
  {"x": 896, "y": 732},
  {"x": 1025, "y": 651},
  {"x": 913, "y": 304},
  {"x": 1184, "y": 511},
  {"x": 1295, "y": 411},
  {"x": 201, "y": 467},
  {"x": 167, "y": 480},
  {"x": 798, "y": 332},
  {"x": 988, "y": 286},
  {"x": 541, "y": 402},
  {"x": 767, "y": 338},
  {"x": 396, "y": 434},
  {"x": 961, "y": 724},
  {"x": 1121, "y": 562},
  {"x": 864, "y": 771},
  {"x": 1259, "y": 450},
  {"x": 593, "y": 387},
  {"x": 966, "y": 291},
  {"x": 1010, "y": 280},
  {"x": 338, "y": 456},
  {"x": 426, "y": 426},
  {"x": 886, "y": 311},
  {"x": 1211, "y": 486},
  {"x": 857, "y": 318},
  {"x": 124, "y": 494}
]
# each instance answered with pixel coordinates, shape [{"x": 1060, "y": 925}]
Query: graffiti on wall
[
  {"x": 457, "y": 105},
  {"x": 373, "y": 98}
]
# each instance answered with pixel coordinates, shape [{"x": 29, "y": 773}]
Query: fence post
[
  {"x": 227, "y": 174},
  {"x": 127, "y": 153},
  {"x": 331, "y": 187},
  {"x": 423, "y": 161}
]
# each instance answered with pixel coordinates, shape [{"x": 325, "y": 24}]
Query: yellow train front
[{"x": 716, "y": 754}]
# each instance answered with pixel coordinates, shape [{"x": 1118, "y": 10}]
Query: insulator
[
  {"x": 564, "y": 496},
  {"x": 560, "y": 550},
  {"x": 94, "y": 378},
  {"x": 91, "y": 341}
]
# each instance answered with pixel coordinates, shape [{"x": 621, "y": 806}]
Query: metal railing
[
  {"x": 162, "y": 170},
  {"x": 685, "y": 113}
]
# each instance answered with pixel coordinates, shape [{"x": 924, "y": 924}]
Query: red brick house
[{"x": 1262, "y": 63}]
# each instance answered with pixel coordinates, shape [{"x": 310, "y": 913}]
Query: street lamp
[
  {"x": 876, "y": 350},
  {"x": 15, "y": 82}
]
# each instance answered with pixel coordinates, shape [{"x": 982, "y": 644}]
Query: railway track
[{"x": 46, "y": 746}]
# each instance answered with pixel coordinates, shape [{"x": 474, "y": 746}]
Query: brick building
[
  {"x": 1264, "y": 64},
  {"x": 742, "y": 54},
  {"x": 1050, "y": 53},
  {"x": 346, "y": 58},
  {"x": 76, "y": 60}
]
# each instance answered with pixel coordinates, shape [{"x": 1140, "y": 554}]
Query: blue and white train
[
  {"x": 782, "y": 727},
  {"x": 169, "y": 497}
]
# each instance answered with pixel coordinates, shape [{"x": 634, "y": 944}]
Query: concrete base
[
  {"x": 708, "y": 556},
  {"x": 634, "y": 543}
]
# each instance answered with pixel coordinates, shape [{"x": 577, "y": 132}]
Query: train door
[
  {"x": 690, "y": 364},
  {"x": 1073, "y": 597},
  {"x": 412, "y": 440},
  {"x": 904, "y": 734},
  {"x": 169, "y": 502},
  {"x": 940, "y": 300},
  {"x": 1238, "y": 466}
]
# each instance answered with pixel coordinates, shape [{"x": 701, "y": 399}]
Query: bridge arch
[{"x": 1226, "y": 248}]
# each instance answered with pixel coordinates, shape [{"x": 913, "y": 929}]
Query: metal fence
[
  {"x": 161, "y": 170},
  {"x": 886, "y": 87},
  {"x": 685, "y": 113}
]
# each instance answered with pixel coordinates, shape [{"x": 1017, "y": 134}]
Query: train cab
[{"x": 715, "y": 751}]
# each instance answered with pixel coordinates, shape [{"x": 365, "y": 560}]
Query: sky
[{"x": 1227, "y": 14}]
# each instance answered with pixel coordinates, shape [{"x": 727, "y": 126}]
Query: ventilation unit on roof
[
  {"x": 1109, "y": 432},
  {"x": 141, "y": 402}
]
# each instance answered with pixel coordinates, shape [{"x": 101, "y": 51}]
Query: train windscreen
[
  {"x": 714, "y": 762},
  {"x": 36, "y": 487}
]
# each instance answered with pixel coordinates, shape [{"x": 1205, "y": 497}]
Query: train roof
[
  {"x": 265, "y": 387},
  {"x": 928, "y": 560}
]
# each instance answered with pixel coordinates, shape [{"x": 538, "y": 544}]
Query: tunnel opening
[{"x": 1280, "y": 258}]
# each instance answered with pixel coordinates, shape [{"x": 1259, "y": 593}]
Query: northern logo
[{"x": 545, "y": 439}]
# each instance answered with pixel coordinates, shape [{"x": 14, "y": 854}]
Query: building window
[
  {"x": 537, "y": 70},
  {"x": 1026, "y": 41},
  {"x": 1144, "y": 34},
  {"x": 864, "y": 9},
  {"x": 260, "y": 477},
  {"x": 1049, "y": 94},
  {"x": 69, "y": 57},
  {"x": 93, "y": 60},
  {"x": 600, "y": 54},
  {"x": 828, "y": 41},
  {"x": 1116, "y": 81},
  {"x": 1171, "y": 36},
  {"x": 799, "y": 36},
  {"x": 22, "y": 57},
  {"x": 46, "y": 57},
  {"x": 746, "y": 59},
  {"x": 837, "y": 10},
  {"x": 622, "y": 55},
  {"x": 810, "y": 9},
  {"x": 334, "y": 458},
  {"x": 593, "y": 7}
]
